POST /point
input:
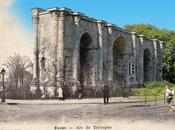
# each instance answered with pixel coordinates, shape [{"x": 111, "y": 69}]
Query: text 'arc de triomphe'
[{"x": 72, "y": 46}]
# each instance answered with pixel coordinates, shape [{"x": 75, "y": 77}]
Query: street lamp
[{"x": 3, "y": 91}]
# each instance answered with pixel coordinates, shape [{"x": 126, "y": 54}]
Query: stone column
[
  {"x": 60, "y": 48},
  {"x": 54, "y": 41},
  {"x": 93, "y": 54},
  {"x": 134, "y": 49},
  {"x": 35, "y": 19},
  {"x": 110, "y": 53},
  {"x": 100, "y": 26},
  {"x": 75, "y": 60},
  {"x": 155, "y": 59},
  {"x": 54, "y": 38},
  {"x": 141, "y": 73},
  {"x": 161, "y": 60}
]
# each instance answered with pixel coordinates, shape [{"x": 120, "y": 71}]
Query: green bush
[
  {"x": 155, "y": 84},
  {"x": 151, "y": 88}
]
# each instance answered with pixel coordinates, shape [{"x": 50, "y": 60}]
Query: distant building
[{"x": 71, "y": 47}]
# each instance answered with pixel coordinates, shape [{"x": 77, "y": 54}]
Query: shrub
[{"x": 151, "y": 88}]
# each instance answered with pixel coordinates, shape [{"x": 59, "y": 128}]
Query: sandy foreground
[{"x": 88, "y": 116}]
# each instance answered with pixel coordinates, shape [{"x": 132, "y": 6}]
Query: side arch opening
[
  {"x": 147, "y": 65},
  {"x": 86, "y": 59},
  {"x": 119, "y": 61}
]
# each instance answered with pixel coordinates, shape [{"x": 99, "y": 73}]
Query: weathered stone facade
[{"x": 72, "y": 46}]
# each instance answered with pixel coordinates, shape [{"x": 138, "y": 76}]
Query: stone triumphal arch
[{"x": 70, "y": 47}]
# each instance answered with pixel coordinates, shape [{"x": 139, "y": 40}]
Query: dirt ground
[{"x": 115, "y": 115}]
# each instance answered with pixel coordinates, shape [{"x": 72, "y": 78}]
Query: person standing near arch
[
  {"x": 60, "y": 93},
  {"x": 106, "y": 94}
]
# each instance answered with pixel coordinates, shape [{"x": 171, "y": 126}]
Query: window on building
[{"x": 131, "y": 68}]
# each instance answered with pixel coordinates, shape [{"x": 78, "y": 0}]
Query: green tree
[{"x": 168, "y": 36}]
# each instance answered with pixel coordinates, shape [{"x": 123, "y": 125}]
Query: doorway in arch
[
  {"x": 86, "y": 59},
  {"x": 147, "y": 65},
  {"x": 120, "y": 57}
]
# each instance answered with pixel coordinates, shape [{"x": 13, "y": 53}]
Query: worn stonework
[{"x": 71, "y": 47}]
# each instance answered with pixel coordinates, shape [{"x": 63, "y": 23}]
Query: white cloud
[{"x": 13, "y": 35}]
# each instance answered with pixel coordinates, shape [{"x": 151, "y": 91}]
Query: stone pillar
[
  {"x": 60, "y": 48},
  {"x": 35, "y": 19},
  {"x": 141, "y": 73},
  {"x": 54, "y": 41},
  {"x": 135, "y": 58},
  {"x": 155, "y": 58},
  {"x": 110, "y": 53},
  {"x": 93, "y": 54},
  {"x": 161, "y": 60},
  {"x": 100, "y": 26},
  {"x": 77, "y": 18}
]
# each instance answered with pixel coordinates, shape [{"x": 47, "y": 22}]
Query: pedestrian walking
[
  {"x": 79, "y": 92},
  {"x": 169, "y": 92},
  {"x": 60, "y": 93},
  {"x": 106, "y": 94}
]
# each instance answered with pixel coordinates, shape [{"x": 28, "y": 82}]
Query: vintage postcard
[{"x": 87, "y": 65}]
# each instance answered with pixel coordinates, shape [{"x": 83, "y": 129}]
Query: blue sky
[{"x": 120, "y": 12}]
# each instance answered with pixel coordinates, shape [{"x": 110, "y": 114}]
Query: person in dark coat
[
  {"x": 80, "y": 92},
  {"x": 106, "y": 94}
]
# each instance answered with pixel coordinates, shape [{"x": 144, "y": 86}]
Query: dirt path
[{"x": 123, "y": 116}]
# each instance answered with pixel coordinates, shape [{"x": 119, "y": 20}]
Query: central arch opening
[
  {"x": 147, "y": 65},
  {"x": 85, "y": 59},
  {"x": 119, "y": 61}
]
